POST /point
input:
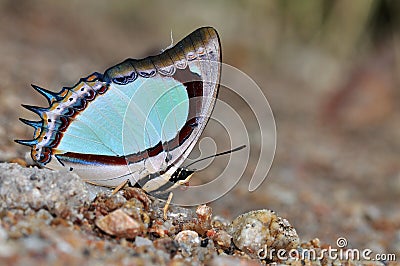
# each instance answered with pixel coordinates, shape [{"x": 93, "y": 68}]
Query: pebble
[
  {"x": 120, "y": 224},
  {"x": 219, "y": 222},
  {"x": 255, "y": 231},
  {"x": 114, "y": 202},
  {"x": 141, "y": 241},
  {"x": 137, "y": 193},
  {"x": 44, "y": 216},
  {"x": 188, "y": 242},
  {"x": 223, "y": 239},
  {"x": 204, "y": 214}
]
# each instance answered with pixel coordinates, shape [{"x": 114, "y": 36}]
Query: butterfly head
[{"x": 182, "y": 175}]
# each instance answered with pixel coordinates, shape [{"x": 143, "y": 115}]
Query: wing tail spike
[
  {"x": 49, "y": 95},
  {"x": 29, "y": 143},
  {"x": 34, "y": 124},
  {"x": 35, "y": 109}
]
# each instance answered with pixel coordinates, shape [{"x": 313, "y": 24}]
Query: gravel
[{"x": 48, "y": 218}]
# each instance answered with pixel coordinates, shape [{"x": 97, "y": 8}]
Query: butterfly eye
[{"x": 120, "y": 80}]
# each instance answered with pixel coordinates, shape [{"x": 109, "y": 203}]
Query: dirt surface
[
  {"x": 48, "y": 218},
  {"x": 332, "y": 86}
]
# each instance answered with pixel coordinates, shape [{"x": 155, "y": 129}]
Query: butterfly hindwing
[{"x": 140, "y": 118}]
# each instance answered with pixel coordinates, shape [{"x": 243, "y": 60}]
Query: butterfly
[{"x": 137, "y": 122}]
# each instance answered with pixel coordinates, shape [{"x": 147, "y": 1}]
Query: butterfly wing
[{"x": 137, "y": 121}]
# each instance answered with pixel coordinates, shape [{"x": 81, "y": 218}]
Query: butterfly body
[{"x": 138, "y": 121}]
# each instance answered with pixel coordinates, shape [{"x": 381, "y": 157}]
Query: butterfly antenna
[{"x": 218, "y": 154}]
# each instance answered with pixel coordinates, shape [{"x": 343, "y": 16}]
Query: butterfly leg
[
  {"x": 119, "y": 187},
  {"x": 165, "y": 209}
]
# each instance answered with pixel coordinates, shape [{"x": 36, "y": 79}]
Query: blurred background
[{"x": 330, "y": 70}]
